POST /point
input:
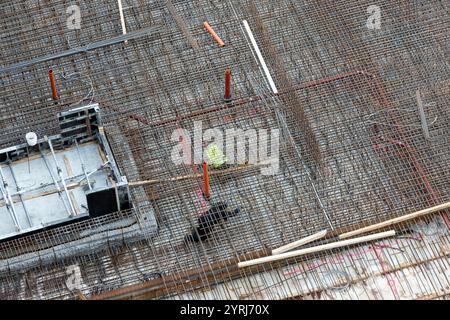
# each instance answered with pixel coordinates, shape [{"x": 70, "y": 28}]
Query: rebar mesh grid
[{"x": 352, "y": 151}]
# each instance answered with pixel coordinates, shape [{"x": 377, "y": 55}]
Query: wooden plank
[
  {"x": 74, "y": 203},
  {"x": 80, "y": 295},
  {"x": 102, "y": 154},
  {"x": 397, "y": 220},
  {"x": 298, "y": 243},
  {"x": 68, "y": 166},
  {"x": 320, "y": 248}
]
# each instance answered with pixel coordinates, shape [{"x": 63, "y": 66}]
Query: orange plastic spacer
[
  {"x": 206, "y": 179},
  {"x": 214, "y": 34},
  {"x": 53, "y": 85}
]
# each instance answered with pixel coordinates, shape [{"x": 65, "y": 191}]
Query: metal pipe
[
  {"x": 82, "y": 165},
  {"x": 54, "y": 181},
  {"x": 44, "y": 185},
  {"x": 8, "y": 200},
  {"x": 63, "y": 182},
  {"x": 92, "y": 46},
  {"x": 98, "y": 169},
  {"x": 20, "y": 195}
]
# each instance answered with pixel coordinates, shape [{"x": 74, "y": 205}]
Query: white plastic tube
[
  {"x": 122, "y": 18},
  {"x": 260, "y": 57}
]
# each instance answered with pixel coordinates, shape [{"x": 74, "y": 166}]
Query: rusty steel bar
[{"x": 227, "y": 96}]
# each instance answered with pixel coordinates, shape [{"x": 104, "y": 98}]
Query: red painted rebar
[{"x": 227, "y": 96}]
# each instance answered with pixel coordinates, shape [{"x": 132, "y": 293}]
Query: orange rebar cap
[
  {"x": 213, "y": 33},
  {"x": 53, "y": 85}
]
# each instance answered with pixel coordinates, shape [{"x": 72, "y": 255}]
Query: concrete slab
[{"x": 36, "y": 200}]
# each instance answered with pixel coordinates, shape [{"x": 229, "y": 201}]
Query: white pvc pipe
[
  {"x": 323, "y": 247},
  {"x": 260, "y": 57},
  {"x": 300, "y": 242},
  {"x": 122, "y": 18}
]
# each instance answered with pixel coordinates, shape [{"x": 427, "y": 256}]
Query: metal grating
[{"x": 352, "y": 152}]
